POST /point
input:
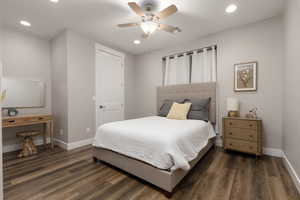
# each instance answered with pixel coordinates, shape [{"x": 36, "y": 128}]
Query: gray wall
[
  {"x": 291, "y": 110},
  {"x": 130, "y": 86},
  {"x": 26, "y": 56},
  {"x": 81, "y": 81},
  {"x": 77, "y": 60},
  {"x": 59, "y": 86},
  {"x": 262, "y": 42}
]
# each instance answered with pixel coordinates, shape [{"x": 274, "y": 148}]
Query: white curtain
[
  {"x": 204, "y": 66},
  {"x": 204, "y": 69},
  {"x": 177, "y": 70}
]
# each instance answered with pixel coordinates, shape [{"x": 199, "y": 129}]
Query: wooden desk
[{"x": 46, "y": 120}]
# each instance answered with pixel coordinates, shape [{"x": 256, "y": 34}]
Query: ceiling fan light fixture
[
  {"x": 150, "y": 22},
  {"x": 149, "y": 27}
]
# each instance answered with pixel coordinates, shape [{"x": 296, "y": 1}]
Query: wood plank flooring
[{"x": 68, "y": 175}]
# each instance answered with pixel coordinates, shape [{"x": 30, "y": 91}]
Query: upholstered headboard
[{"x": 189, "y": 91}]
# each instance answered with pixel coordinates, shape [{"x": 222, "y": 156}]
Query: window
[{"x": 191, "y": 67}]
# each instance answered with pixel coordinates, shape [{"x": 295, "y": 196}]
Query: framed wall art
[{"x": 245, "y": 77}]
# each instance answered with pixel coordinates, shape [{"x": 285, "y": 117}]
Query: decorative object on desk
[
  {"x": 245, "y": 77},
  {"x": 252, "y": 114},
  {"x": 12, "y": 112},
  {"x": 233, "y": 107},
  {"x": 28, "y": 147}
]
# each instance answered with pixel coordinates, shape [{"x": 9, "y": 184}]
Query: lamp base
[{"x": 233, "y": 114}]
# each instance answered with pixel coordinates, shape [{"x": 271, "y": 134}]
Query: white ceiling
[{"x": 98, "y": 19}]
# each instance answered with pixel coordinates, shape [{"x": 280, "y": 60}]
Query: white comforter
[{"x": 163, "y": 143}]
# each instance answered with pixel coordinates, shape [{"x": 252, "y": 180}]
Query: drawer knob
[
  {"x": 230, "y": 144},
  {"x": 250, "y": 136},
  {"x": 250, "y": 125},
  {"x": 250, "y": 147},
  {"x": 230, "y": 133},
  {"x": 11, "y": 121},
  {"x": 230, "y": 123}
]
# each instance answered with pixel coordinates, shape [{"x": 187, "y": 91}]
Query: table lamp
[{"x": 233, "y": 107}]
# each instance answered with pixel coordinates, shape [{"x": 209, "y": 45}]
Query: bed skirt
[{"x": 163, "y": 179}]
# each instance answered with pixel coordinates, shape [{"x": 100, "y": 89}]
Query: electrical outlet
[
  {"x": 61, "y": 131},
  {"x": 88, "y": 130}
]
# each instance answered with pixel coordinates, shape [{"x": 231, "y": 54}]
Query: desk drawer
[
  {"x": 19, "y": 121},
  {"x": 242, "y": 134},
  {"x": 7, "y": 122},
  {"x": 40, "y": 118}
]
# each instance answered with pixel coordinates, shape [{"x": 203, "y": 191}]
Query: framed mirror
[{"x": 23, "y": 93}]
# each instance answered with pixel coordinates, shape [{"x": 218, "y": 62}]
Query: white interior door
[{"x": 109, "y": 87}]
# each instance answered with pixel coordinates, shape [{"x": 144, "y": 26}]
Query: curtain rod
[{"x": 190, "y": 52}]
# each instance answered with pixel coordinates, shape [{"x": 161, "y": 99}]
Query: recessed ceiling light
[
  {"x": 231, "y": 8},
  {"x": 54, "y": 1},
  {"x": 25, "y": 23},
  {"x": 137, "y": 42}
]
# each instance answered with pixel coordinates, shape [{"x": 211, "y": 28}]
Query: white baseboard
[
  {"x": 266, "y": 151},
  {"x": 291, "y": 171},
  {"x": 272, "y": 152},
  {"x": 61, "y": 144},
  {"x": 15, "y": 147},
  {"x": 80, "y": 143},
  {"x": 73, "y": 145}
]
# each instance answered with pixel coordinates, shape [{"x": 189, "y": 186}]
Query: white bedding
[{"x": 161, "y": 142}]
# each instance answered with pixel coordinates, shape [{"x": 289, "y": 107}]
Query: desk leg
[
  {"x": 45, "y": 126},
  {"x": 51, "y": 135}
]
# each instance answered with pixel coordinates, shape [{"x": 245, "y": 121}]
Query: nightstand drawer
[
  {"x": 241, "y": 145},
  {"x": 242, "y": 134},
  {"x": 234, "y": 123}
]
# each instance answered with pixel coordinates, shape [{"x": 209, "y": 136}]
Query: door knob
[{"x": 101, "y": 106}]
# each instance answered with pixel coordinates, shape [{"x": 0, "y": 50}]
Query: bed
[{"x": 159, "y": 150}]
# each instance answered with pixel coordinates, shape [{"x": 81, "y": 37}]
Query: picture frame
[{"x": 245, "y": 77}]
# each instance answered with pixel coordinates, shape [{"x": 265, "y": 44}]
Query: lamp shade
[{"x": 232, "y": 104}]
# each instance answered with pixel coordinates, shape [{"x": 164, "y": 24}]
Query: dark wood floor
[{"x": 66, "y": 175}]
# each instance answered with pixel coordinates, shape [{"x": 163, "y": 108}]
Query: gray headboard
[{"x": 189, "y": 91}]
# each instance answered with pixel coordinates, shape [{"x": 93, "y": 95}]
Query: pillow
[
  {"x": 199, "y": 109},
  {"x": 166, "y": 106},
  {"x": 179, "y": 111}
]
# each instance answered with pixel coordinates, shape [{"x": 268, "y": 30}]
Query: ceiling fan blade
[
  {"x": 127, "y": 25},
  {"x": 168, "y": 28},
  {"x": 136, "y": 8},
  {"x": 167, "y": 12}
]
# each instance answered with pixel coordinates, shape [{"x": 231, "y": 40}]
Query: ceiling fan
[{"x": 152, "y": 21}]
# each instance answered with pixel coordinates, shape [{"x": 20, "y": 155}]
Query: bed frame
[{"x": 164, "y": 179}]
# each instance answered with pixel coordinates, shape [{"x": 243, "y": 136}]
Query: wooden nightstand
[{"x": 243, "y": 134}]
